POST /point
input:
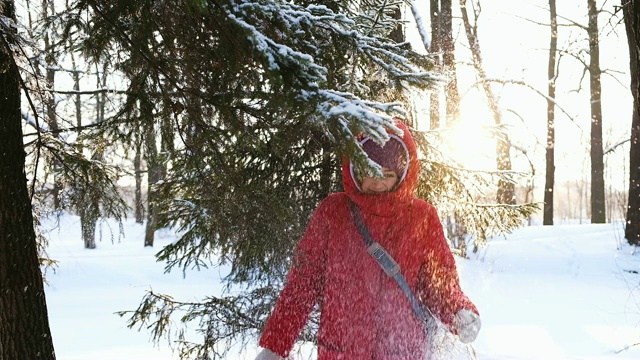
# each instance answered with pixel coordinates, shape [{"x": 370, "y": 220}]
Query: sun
[{"x": 471, "y": 145}]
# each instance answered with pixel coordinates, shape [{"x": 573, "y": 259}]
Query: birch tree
[{"x": 506, "y": 188}]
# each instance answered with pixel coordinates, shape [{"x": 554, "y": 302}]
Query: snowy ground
[{"x": 562, "y": 292}]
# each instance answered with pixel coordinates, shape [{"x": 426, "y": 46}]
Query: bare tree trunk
[
  {"x": 48, "y": 9},
  {"x": 52, "y": 121},
  {"x": 88, "y": 224},
  {"x": 90, "y": 209},
  {"x": 53, "y": 125},
  {"x": 551, "y": 137},
  {"x": 598, "y": 213},
  {"x": 24, "y": 325},
  {"x": 452, "y": 94},
  {"x": 86, "y": 211},
  {"x": 443, "y": 47},
  {"x": 137, "y": 165},
  {"x": 442, "y": 44},
  {"x": 397, "y": 34},
  {"x": 506, "y": 189},
  {"x": 585, "y": 198},
  {"x": 631, "y": 11},
  {"x": 153, "y": 176}
]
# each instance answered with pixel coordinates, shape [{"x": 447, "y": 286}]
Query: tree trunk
[
  {"x": 506, "y": 189},
  {"x": 551, "y": 137},
  {"x": 90, "y": 207},
  {"x": 434, "y": 97},
  {"x": 631, "y": 11},
  {"x": 449, "y": 61},
  {"x": 153, "y": 176},
  {"x": 50, "y": 102},
  {"x": 397, "y": 34},
  {"x": 24, "y": 325},
  {"x": 137, "y": 165},
  {"x": 88, "y": 226},
  {"x": 598, "y": 213},
  {"x": 442, "y": 46}
]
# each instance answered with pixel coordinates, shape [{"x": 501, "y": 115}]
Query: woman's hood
[{"x": 386, "y": 204}]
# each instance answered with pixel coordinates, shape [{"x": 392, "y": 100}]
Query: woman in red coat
[{"x": 364, "y": 313}]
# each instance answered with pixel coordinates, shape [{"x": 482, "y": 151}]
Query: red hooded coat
[{"x": 364, "y": 313}]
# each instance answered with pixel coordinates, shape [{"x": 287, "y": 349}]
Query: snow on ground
[{"x": 561, "y": 292}]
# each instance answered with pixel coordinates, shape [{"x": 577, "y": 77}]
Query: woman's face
[{"x": 376, "y": 185}]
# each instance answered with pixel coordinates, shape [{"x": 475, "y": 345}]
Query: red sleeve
[
  {"x": 303, "y": 288},
  {"x": 439, "y": 285}
]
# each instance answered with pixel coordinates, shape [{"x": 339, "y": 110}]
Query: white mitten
[
  {"x": 267, "y": 354},
  {"x": 468, "y": 325}
]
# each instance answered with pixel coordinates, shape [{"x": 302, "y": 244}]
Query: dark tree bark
[
  {"x": 24, "y": 325},
  {"x": 397, "y": 34},
  {"x": 598, "y": 212},
  {"x": 442, "y": 44},
  {"x": 631, "y": 12},
  {"x": 153, "y": 176},
  {"x": 137, "y": 166},
  {"x": 448, "y": 56},
  {"x": 551, "y": 137}
]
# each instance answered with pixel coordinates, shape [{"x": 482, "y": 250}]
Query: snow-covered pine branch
[{"x": 294, "y": 52}]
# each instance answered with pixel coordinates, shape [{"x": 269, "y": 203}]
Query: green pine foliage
[
  {"x": 262, "y": 98},
  {"x": 85, "y": 181},
  {"x": 465, "y": 198}
]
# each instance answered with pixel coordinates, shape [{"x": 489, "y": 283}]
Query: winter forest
[{"x": 226, "y": 120}]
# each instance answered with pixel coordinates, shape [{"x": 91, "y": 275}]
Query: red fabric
[{"x": 364, "y": 314}]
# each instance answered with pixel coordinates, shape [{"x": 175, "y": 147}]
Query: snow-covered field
[{"x": 561, "y": 292}]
